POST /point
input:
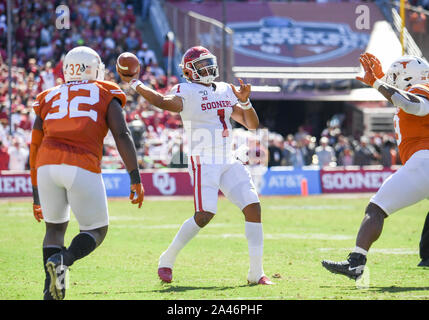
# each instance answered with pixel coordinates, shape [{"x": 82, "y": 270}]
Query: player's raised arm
[
  {"x": 243, "y": 111},
  {"x": 168, "y": 102},
  {"x": 408, "y": 101},
  {"x": 126, "y": 148}
]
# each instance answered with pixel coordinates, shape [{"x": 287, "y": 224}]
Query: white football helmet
[
  {"x": 407, "y": 71},
  {"x": 82, "y": 63}
]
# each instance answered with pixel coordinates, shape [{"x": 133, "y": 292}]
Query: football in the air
[{"x": 128, "y": 64}]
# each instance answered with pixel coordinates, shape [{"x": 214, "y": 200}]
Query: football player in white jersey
[{"x": 206, "y": 108}]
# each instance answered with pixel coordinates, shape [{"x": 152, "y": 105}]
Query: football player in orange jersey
[
  {"x": 407, "y": 88},
  {"x": 65, "y": 157}
]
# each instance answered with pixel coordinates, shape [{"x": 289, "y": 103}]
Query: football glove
[
  {"x": 37, "y": 209},
  {"x": 375, "y": 65},
  {"x": 369, "y": 76},
  {"x": 37, "y": 212}
]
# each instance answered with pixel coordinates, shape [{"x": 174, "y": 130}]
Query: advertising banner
[
  {"x": 15, "y": 185},
  {"x": 361, "y": 180},
  {"x": 158, "y": 183},
  {"x": 287, "y": 181}
]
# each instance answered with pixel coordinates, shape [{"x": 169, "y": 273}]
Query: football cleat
[
  {"x": 165, "y": 274},
  {"x": 263, "y": 280},
  {"x": 47, "y": 295},
  {"x": 57, "y": 272},
  {"x": 353, "y": 267},
  {"x": 424, "y": 263}
]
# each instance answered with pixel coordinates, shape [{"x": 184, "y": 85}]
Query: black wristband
[
  {"x": 36, "y": 199},
  {"x": 134, "y": 176}
]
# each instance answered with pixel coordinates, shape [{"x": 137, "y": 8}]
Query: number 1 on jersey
[{"x": 221, "y": 115}]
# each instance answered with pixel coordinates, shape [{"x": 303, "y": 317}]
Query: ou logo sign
[{"x": 164, "y": 183}]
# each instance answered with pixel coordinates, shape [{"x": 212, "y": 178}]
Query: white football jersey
[{"x": 206, "y": 117}]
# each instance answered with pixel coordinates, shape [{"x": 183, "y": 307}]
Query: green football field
[{"x": 299, "y": 233}]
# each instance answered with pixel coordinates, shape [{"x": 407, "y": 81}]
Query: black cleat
[
  {"x": 47, "y": 295},
  {"x": 57, "y": 272},
  {"x": 424, "y": 263},
  {"x": 353, "y": 267}
]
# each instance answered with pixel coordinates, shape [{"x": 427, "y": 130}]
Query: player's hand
[
  {"x": 369, "y": 76},
  {"x": 127, "y": 78},
  {"x": 37, "y": 212},
  {"x": 137, "y": 194},
  {"x": 375, "y": 65},
  {"x": 243, "y": 93}
]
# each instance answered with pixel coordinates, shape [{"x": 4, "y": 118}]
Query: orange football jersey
[
  {"x": 74, "y": 122},
  {"x": 412, "y": 132}
]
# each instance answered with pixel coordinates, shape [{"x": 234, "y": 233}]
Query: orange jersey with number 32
[
  {"x": 74, "y": 122},
  {"x": 412, "y": 132}
]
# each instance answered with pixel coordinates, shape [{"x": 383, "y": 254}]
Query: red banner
[
  {"x": 15, "y": 185},
  {"x": 361, "y": 180},
  {"x": 162, "y": 183},
  {"x": 156, "y": 183}
]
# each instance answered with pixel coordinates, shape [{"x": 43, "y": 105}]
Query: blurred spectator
[
  {"x": 418, "y": 24},
  {"x": 168, "y": 51},
  {"x": 4, "y": 157},
  {"x": 388, "y": 152},
  {"x": 146, "y": 55},
  {"x": 325, "y": 153},
  {"x": 345, "y": 157},
  {"x": 18, "y": 156},
  {"x": 275, "y": 151},
  {"x": 365, "y": 154}
]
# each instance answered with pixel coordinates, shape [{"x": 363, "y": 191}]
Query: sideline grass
[{"x": 299, "y": 234}]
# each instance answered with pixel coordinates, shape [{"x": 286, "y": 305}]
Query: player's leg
[
  {"x": 403, "y": 188},
  {"x": 87, "y": 197},
  {"x": 56, "y": 213},
  {"x": 237, "y": 185},
  {"x": 205, "y": 180},
  {"x": 424, "y": 244}
]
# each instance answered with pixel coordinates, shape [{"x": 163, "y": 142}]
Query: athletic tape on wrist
[
  {"x": 134, "y": 83},
  {"x": 377, "y": 83},
  {"x": 245, "y": 105},
  {"x": 134, "y": 176}
]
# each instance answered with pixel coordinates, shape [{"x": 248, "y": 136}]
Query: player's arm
[
  {"x": 126, "y": 149},
  {"x": 243, "y": 111},
  {"x": 407, "y": 101},
  {"x": 167, "y": 102},
  {"x": 36, "y": 141}
]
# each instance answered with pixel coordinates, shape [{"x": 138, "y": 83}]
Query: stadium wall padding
[{"x": 276, "y": 181}]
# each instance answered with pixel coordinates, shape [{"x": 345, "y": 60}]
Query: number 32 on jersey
[{"x": 72, "y": 107}]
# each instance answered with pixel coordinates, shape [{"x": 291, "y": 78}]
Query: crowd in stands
[
  {"x": 109, "y": 27},
  {"x": 332, "y": 149}
]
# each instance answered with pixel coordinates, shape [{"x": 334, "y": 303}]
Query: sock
[
  {"x": 187, "y": 231},
  {"x": 360, "y": 250},
  {"x": 47, "y": 252},
  {"x": 81, "y": 245},
  {"x": 255, "y": 241}
]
